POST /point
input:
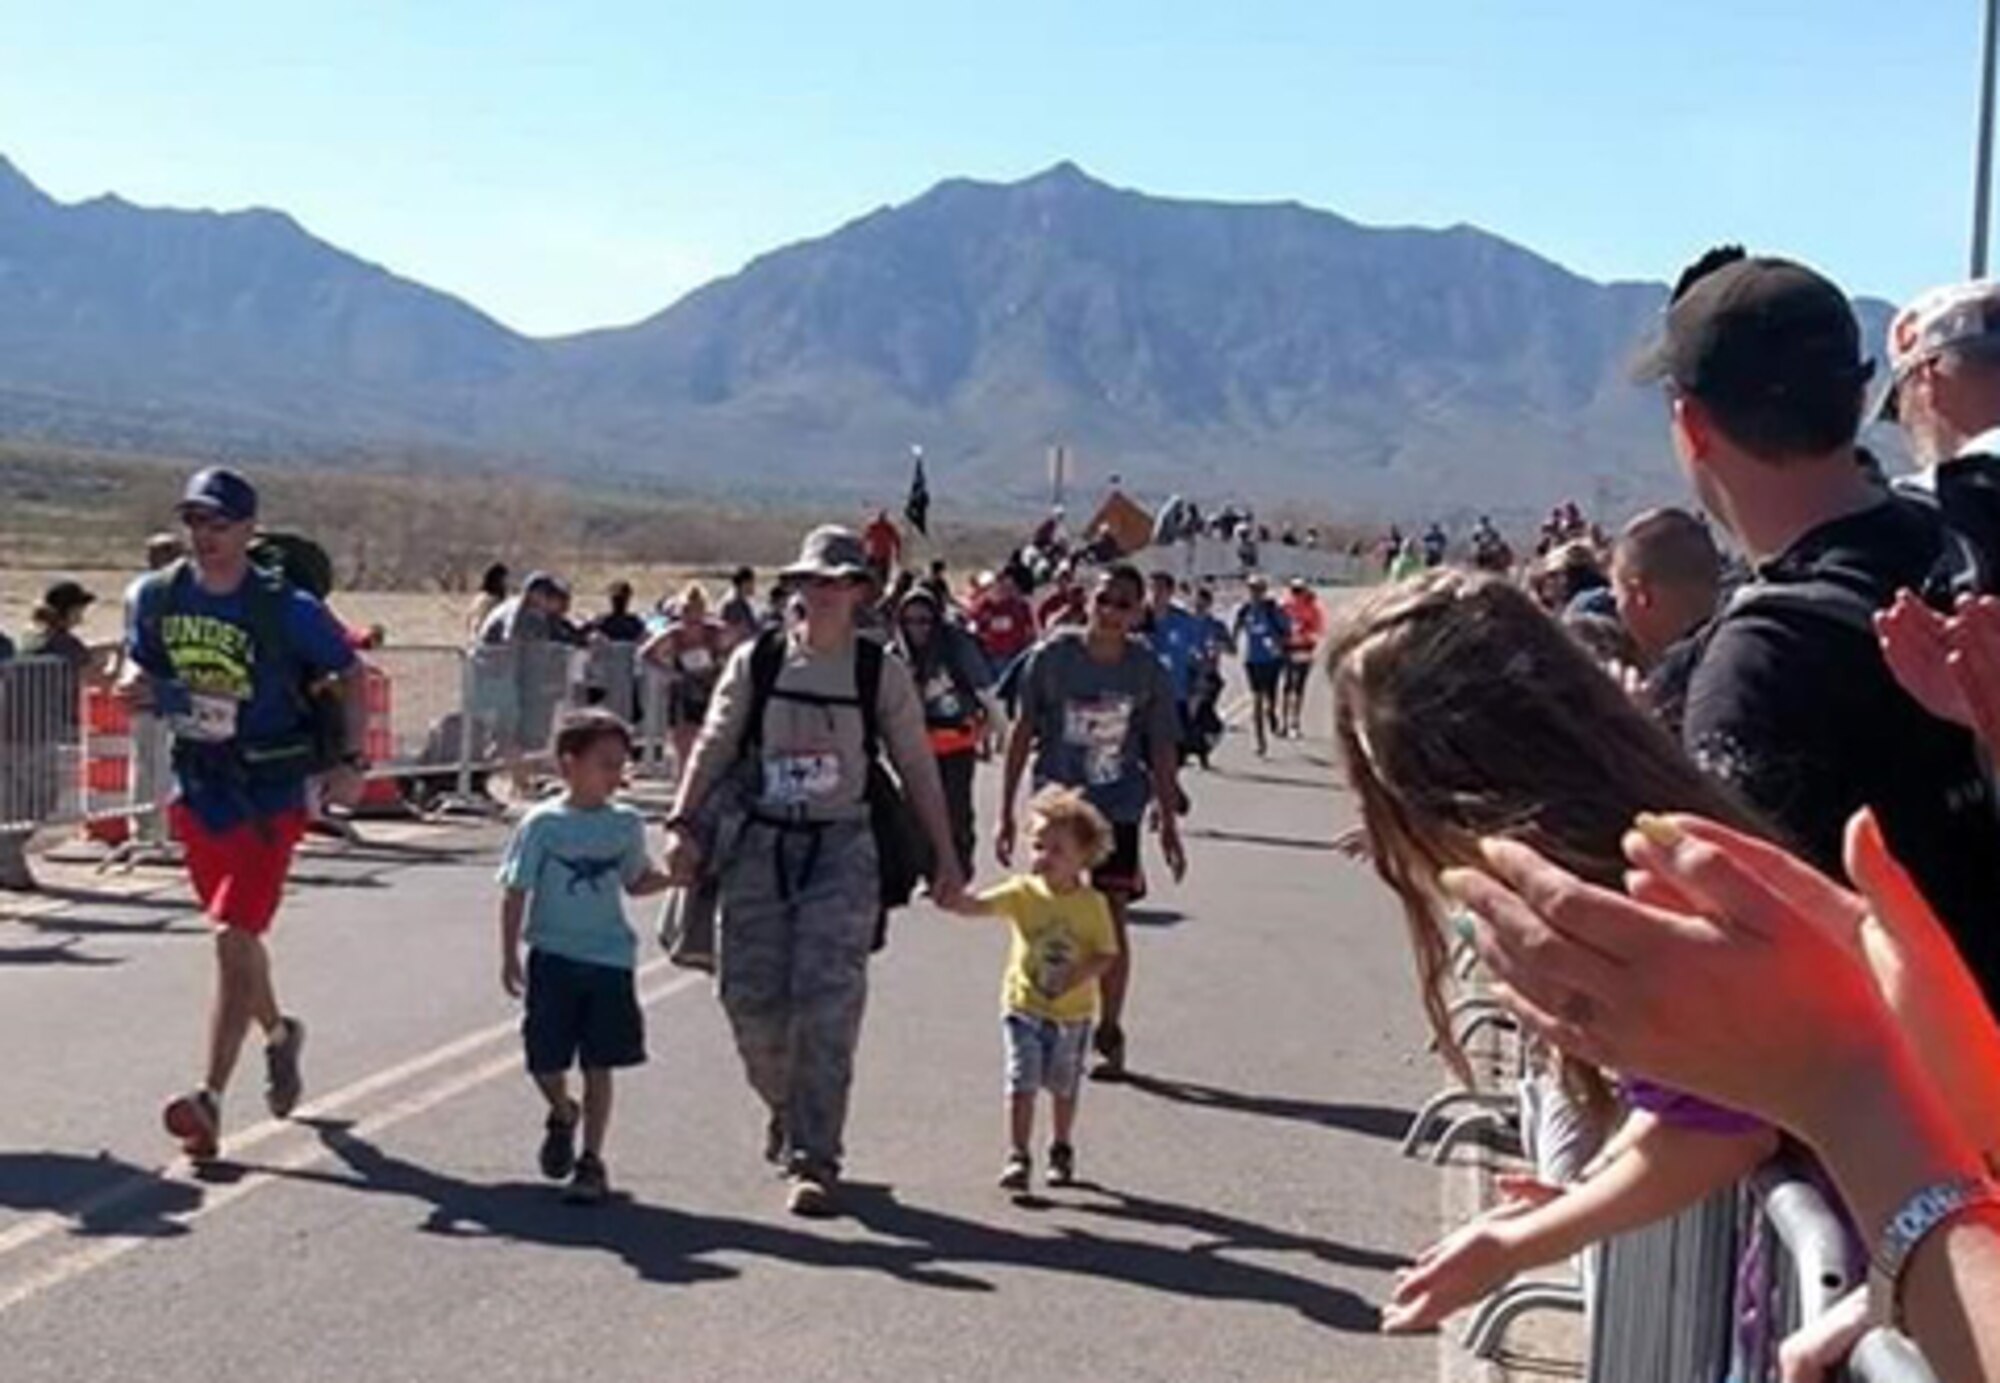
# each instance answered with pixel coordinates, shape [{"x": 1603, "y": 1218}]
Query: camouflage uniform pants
[{"x": 796, "y": 918}]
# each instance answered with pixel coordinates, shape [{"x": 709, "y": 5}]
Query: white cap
[{"x": 1955, "y": 317}]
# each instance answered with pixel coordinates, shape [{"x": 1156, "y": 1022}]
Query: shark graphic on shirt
[{"x": 585, "y": 872}]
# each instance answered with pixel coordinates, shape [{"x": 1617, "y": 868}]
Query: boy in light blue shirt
[{"x": 566, "y": 871}]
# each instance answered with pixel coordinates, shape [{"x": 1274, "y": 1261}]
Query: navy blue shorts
[{"x": 581, "y": 1014}]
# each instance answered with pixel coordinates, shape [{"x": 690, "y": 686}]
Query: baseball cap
[
  {"x": 543, "y": 581},
  {"x": 1957, "y": 317},
  {"x": 221, "y": 491},
  {"x": 1757, "y": 328},
  {"x": 67, "y": 595}
]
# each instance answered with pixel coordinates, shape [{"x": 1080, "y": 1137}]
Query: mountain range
[{"x": 1226, "y": 351}]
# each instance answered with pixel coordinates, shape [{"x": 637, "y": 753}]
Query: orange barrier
[
  {"x": 378, "y": 741},
  {"x": 107, "y": 766}
]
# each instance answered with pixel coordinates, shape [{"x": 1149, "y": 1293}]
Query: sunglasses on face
[{"x": 200, "y": 521}]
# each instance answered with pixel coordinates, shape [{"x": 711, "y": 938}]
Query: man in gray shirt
[{"x": 1097, "y": 714}]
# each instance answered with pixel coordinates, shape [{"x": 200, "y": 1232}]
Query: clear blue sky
[{"x": 582, "y": 164}]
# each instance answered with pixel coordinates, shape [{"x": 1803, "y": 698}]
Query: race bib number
[
  {"x": 941, "y": 699},
  {"x": 696, "y": 660},
  {"x": 1099, "y": 730},
  {"x": 207, "y": 720},
  {"x": 797, "y": 780}
]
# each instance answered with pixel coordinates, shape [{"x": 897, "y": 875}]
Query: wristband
[{"x": 1929, "y": 1209}]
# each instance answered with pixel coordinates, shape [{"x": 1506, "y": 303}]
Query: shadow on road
[
  {"x": 923, "y": 1247},
  {"x": 1256, "y": 838},
  {"x": 1155, "y": 917},
  {"x": 1274, "y": 780},
  {"x": 659, "y": 1243},
  {"x": 61, "y": 953},
  {"x": 1369, "y": 1120},
  {"x": 98, "y": 1195},
  {"x": 1202, "y": 1272}
]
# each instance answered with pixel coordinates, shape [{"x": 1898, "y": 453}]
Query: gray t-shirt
[{"x": 1096, "y": 723}]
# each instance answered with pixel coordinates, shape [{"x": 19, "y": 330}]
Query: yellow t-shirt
[{"x": 1052, "y": 932}]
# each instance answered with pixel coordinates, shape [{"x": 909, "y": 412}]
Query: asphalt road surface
[{"x": 1242, "y": 1205}]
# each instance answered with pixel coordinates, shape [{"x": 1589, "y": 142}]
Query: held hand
[
  {"x": 510, "y": 976},
  {"x": 948, "y": 886},
  {"x": 1003, "y": 842},
  {"x": 1450, "y": 1275},
  {"x": 683, "y": 859},
  {"x": 344, "y": 786},
  {"x": 1519, "y": 1195}
]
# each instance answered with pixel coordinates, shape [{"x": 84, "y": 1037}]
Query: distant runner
[
  {"x": 1305, "y": 624},
  {"x": 955, "y": 685},
  {"x": 262, "y": 692},
  {"x": 1176, "y": 637},
  {"x": 1216, "y": 642},
  {"x": 1262, "y": 632}
]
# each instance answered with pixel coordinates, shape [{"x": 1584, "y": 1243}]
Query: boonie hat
[
  {"x": 1958, "y": 317},
  {"x": 219, "y": 491},
  {"x": 1757, "y": 329},
  {"x": 830, "y": 551},
  {"x": 544, "y": 581}
]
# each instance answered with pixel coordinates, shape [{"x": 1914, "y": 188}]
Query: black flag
[{"x": 917, "y": 508}]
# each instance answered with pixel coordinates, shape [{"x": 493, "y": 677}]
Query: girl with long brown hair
[{"x": 1462, "y": 711}]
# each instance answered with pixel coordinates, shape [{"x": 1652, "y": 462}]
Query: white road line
[{"x": 112, "y": 1246}]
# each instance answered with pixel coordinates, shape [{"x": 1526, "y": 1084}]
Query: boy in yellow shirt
[{"x": 1063, "y": 941}]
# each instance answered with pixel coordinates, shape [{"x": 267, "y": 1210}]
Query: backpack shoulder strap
[
  {"x": 767, "y": 660},
  {"x": 869, "y": 657}
]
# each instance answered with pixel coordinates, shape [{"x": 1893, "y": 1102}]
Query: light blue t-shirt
[{"x": 575, "y": 865}]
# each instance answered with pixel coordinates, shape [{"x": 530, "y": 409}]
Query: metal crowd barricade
[{"x": 41, "y": 744}]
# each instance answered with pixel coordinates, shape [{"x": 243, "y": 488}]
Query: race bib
[
  {"x": 1099, "y": 729},
  {"x": 797, "y": 780},
  {"x": 208, "y": 719},
  {"x": 696, "y": 660},
  {"x": 941, "y": 699}
]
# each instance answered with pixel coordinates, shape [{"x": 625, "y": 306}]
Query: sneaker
[
  {"x": 1014, "y": 1175},
  {"x": 1062, "y": 1164},
  {"x": 1109, "y": 1041},
  {"x": 811, "y": 1196},
  {"x": 196, "y": 1120},
  {"x": 588, "y": 1185},
  {"x": 282, "y": 1082},
  {"x": 558, "y": 1156}
]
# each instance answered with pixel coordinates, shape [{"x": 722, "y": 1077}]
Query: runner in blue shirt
[
  {"x": 1263, "y": 630},
  {"x": 1216, "y": 641},
  {"x": 1176, "y": 637}
]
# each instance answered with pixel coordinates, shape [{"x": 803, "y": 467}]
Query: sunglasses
[{"x": 204, "y": 521}]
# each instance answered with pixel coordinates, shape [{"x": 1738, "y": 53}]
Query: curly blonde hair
[{"x": 1068, "y": 810}]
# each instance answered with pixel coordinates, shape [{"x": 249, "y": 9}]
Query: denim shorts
[{"x": 1043, "y": 1054}]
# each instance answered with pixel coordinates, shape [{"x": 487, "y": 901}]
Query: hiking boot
[
  {"x": 1109, "y": 1041},
  {"x": 196, "y": 1120},
  {"x": 1014, "y": 1175},
  {"x": 558, "y": 1155},
  {"x": 588, "y": 1185},
  {"x": 282, "y": 1082},
  {"x": 1062, "y": 1164},
  {"x": 811, "y": 1196}
]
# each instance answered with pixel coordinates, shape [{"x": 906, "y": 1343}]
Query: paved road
[{"x": 1244, "y": 1204}]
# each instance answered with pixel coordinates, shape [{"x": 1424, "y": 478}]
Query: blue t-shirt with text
[
  {"x": 219, "y": 689},
  {"x": 575, "y": 865}
]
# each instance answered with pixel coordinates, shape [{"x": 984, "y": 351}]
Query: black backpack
[{"x": 902, "y": 851}]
